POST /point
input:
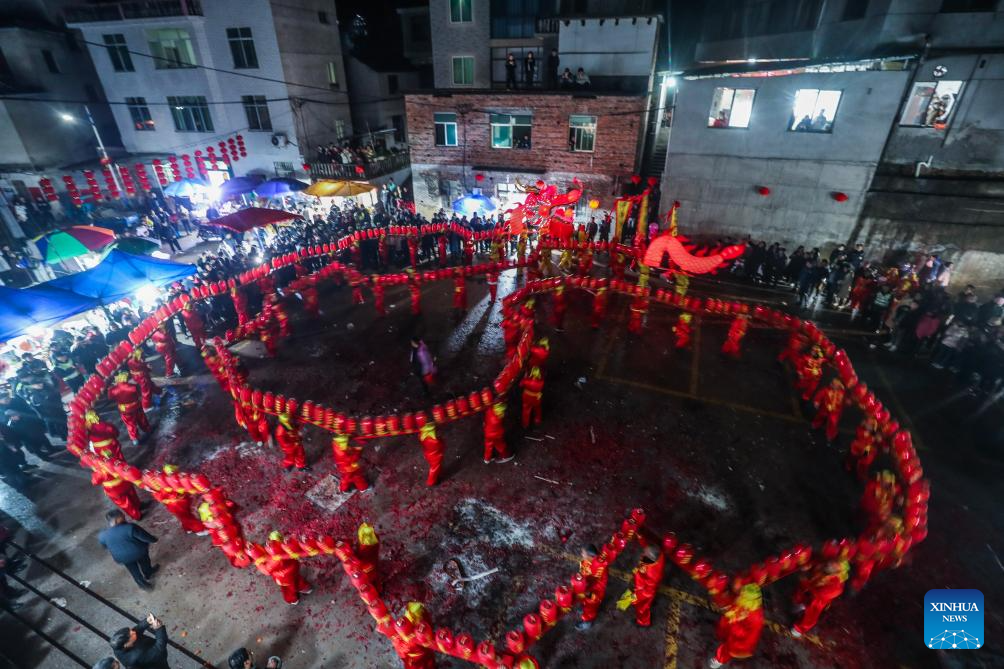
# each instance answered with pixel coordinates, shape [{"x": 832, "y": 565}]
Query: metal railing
[
  {"x": 133, "y": 9},
  {"x": 323, "y": 168},
  {"x": 547, "y": 26}
]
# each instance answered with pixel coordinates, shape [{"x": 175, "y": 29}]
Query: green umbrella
[{"x": 74, "y": 241}]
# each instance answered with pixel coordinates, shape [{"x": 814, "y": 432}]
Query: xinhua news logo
[{"x": 953, "y": 619}]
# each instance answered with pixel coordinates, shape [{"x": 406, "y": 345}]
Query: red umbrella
[{"x": 246, "y": 219}]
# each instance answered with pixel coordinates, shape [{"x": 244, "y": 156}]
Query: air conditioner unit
[{"x": 280, "y": 139}]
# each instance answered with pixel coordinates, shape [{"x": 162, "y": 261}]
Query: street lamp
[{"x": 105, "y": 160}]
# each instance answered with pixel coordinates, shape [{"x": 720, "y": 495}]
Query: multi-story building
[
  {"x": 188, "y": 73},
  {"x": 522, "y": 124},
  {"x": 817, "y": 123}
]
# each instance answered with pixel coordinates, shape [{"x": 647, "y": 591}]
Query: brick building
[{"x": 554, "y": 136}]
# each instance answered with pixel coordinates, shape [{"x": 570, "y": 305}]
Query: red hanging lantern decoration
[
  {"x": 652, "y": 181},
  {"x": 840, "y": 197},
  {"x": 306, "y": 167},
  {"x": 763, "y": 191},
  {"x": 635, "y": 179},
  {"x": 142, "y": 176},
  {"x": 92, "y": 185},
  {"x": 479, "y": 177},
  {"x": 360, "y": 170},
  {"x": 47, "y": 189}
]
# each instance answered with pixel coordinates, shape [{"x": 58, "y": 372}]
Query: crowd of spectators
[{"x": 347, "y": 155}]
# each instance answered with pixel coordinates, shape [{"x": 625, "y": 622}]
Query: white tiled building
[{"x": 195, "y": 72}]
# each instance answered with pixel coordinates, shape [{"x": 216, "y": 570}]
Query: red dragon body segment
[{"x": 683, "y": 259}]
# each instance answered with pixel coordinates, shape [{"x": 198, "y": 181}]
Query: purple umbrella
[{"x": 279, "y": 186}]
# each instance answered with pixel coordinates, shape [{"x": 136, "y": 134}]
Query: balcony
[
  {"x": 322, "y": 168},
  {"x": 547, "y": 26},
  {"x": 135, "y": 9}
]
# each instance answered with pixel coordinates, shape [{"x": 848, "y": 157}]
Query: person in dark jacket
[
  {"x": 129, "y": 545},
  {"x": 107, "y": 663},
  {"x": 135, "y": 650}
]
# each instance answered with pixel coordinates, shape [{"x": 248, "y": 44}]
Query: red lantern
[
  {"x": 763, "y": 191},
  {"x": 840, "y": 197},
  {"x": 306, "y": 167},
  {"x": 479, "y": 177},
  {"x": 359, "y": 170},
  {"x": 635, "y": 179}
]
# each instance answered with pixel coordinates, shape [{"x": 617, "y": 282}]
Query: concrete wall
[
  {"x": 373, "y": 104},
  {"x": 211, "y": 49},
  {"x": 716, "y": 172},
  {"x": 460, "y": 39},
  {"x": 622, "y": 48}
]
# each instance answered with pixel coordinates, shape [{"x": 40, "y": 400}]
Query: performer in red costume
[
  {"x": 737, "y": 330},
  {"x": 636, "y": 319},
  {"x": 682, "y": 330},
  {"x": 585, "y": 262},
  {"x": 368, "y": 553},
  {"x": 311, "y": 302},
  {"x": 560, "y": 307},
  {"x": 879, "y": 498},
  {"x": 378, "y": 299},
  {"x": 240, "y": 305},
  {"x": 599, "y": 307},
  {"x": 864, "y": 448},
  {"x": 193, "y": 321},
  {"x": 647, "y": 577},
  {"x": 864, "y": 561},
  {"x": 139, "y": 371},
  {"x": 347, "y": 458},
  {"x": 179, "y": 505},
  {"x": 809, "y": 370},
  {"x": 268, "y": 332},
  {"x": 459, "y": 292},
  {"x": 593, "y": 568},
  {"x": 256, "y": 423},
  {"x": 382, "y": 251},
  {"x": 510, "y": 334},
  {"x": 815, "y": 594},
  {"x": 413, "y": 654},
  {"x": 104, "y": 437},
  {"x": 793, "y": 350},
  {"x": 441, "y": 243},
  {"x": 533, "y": 391},
  {"x": 829, "y": 403},
  {"x": 618, "y": 262},
  {"x": 415, "y": 292},
  {"x": 539, "y": 352},
  {"x": 164, "y": 342},
  {"x": 126, "y": 396},
  {"x": 739, "y": 629},
  {"x": 285, "y": 571},
  {"x": 413, "y": 250},
  {"x": 495, "y": 434},
  {"x": 492, "y": 279},
  {"x": 277, "y": 311},
  {"x": 287, "y": 435},
  {"x": 226, "y": 534},
  {"x": 356, "y": 281},
  {"x": 433, "y": 449},
  {"x": 122, "y": 493}
]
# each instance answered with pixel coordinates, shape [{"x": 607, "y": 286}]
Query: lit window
[
  {"x": 171, "y": 48},
  {"x": 256, "y": 109},
  {"x": 190, "y": 113},
  {"x": 581, "y": 133},
  {"x": 242, "y": 48},
  {"x": 511, "y": 131},
  {"x": 814, "y": 110},
  {"x": 140, "y": 112},
  {"x": 460, "y": 11},
  {"x": 333, "y": 75},
  {"x": 931, "y": 103},
  {"x": 463, "y": 70},
  {"x": 446, "y": 128},
  {"x": 118, "y": 52},
  {"x": 731, "y": 108}
]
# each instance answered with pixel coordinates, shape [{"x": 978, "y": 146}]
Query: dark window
[
  {"x": 322, "y": 17},
  {"x": 71, "y": 42},
  {"x": 91, "y": 93},
  {"x": 397, "y": 120},
  {"x": 514, "y": 18},
  {"x": 855, "y": 9},
  {"x": 446, "y": 128},
  {"x": 256, "y": 109},
  {"x": 140, "y": 112},
  {"x": 50, "y": 61},
  {"x": 190, "y": 113},
  {"x": 392, "y": 83},
  {"x": 242, "y": 48},
  {"x": 118, "y": 52},
  {"x": 968, "y": 5},
  {"x": 419, "y": 29},
  {"x": 5, "y": 70}
]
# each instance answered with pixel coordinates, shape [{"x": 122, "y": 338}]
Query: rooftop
[{"x": 131, "y": 9}]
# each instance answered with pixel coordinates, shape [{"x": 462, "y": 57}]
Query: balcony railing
[
  {"x": 322, "y": 168},
  {"x": 133, "y": 9},
  {"x": 547, "y": 26}
]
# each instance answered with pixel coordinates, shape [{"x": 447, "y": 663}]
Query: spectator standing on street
[
  {"x": 129, "y": 545},
  {"x": 135, "y": 650},
  {"x": 242, "y": 658}
]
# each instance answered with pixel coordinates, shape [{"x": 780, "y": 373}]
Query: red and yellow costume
[
  {"x": 682, "y": 331},
  {"x": 368, "y": 553},
  {"x": 163, "y": 341},
  {"x": 793, "y": 350},
  {"x": 287, "y": 436},
  {"x": 533, "y": 391},
  {"x": 585, "y": 262},
  {"x": 284, "y": 570},
  {"x": 459, "y": 291},
  {"x": 178, "y": 505},
  {"x": 268, "y": 333},
  {"x": 311, "y": 303},
  {"x": 809, "y": 371},
  {"x": 382, "y": 251},
  {"x": 139, "y": 371},
  {"x": 495, "y": 433},
  {"x": 194, "y": 323},
  {"x": 441, "y": 244},
  {"x": 225, "y": 533},
  {"x": 104, "y": 437},
  {"x": 412, "y": 653},
  {"x": 122, "y": 493},
  {"x": 415, "y": 292},
  {"x": 647, "y": 577},
  {"x": 737, "y": 330},
  {"x": 594, "y": 570},
  {"x": 864, "y": 448},
  {"x": 278, "y": 312},
  {"x": 413, "y": 250},
  {"x": 126, "y": 397},
  {"x": 378, "y": 299},
  {"x": 740, "y": 627},
  {"x": 254, "y": 421},
  {"x": 639, "y": 307},
  {"x": 816, "y": 593},
  {"x": 539, "y": 352},
  {"x": 240, "y": 305},
  {"x": 599, "y": 307},
  {"x": 510, "y": 334},
  {"x": 829, "y": 403},
  {"x": 879, "y": 498},
  {"x": 560, "y": 307},
  {"x": 433, "y": 449},
  {"x": 356, "y": 282},
  {"x": 347, "y": 458},
  {"x": 617, "y": 264}
]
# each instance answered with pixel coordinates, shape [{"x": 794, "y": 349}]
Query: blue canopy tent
[
  {"x": 120, "y": 275},
  {"x": 475, "y": 203},
  {"x": 22, "y": 308}
]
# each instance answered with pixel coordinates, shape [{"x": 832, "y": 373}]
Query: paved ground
[{"x": 718, "y": 451}]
